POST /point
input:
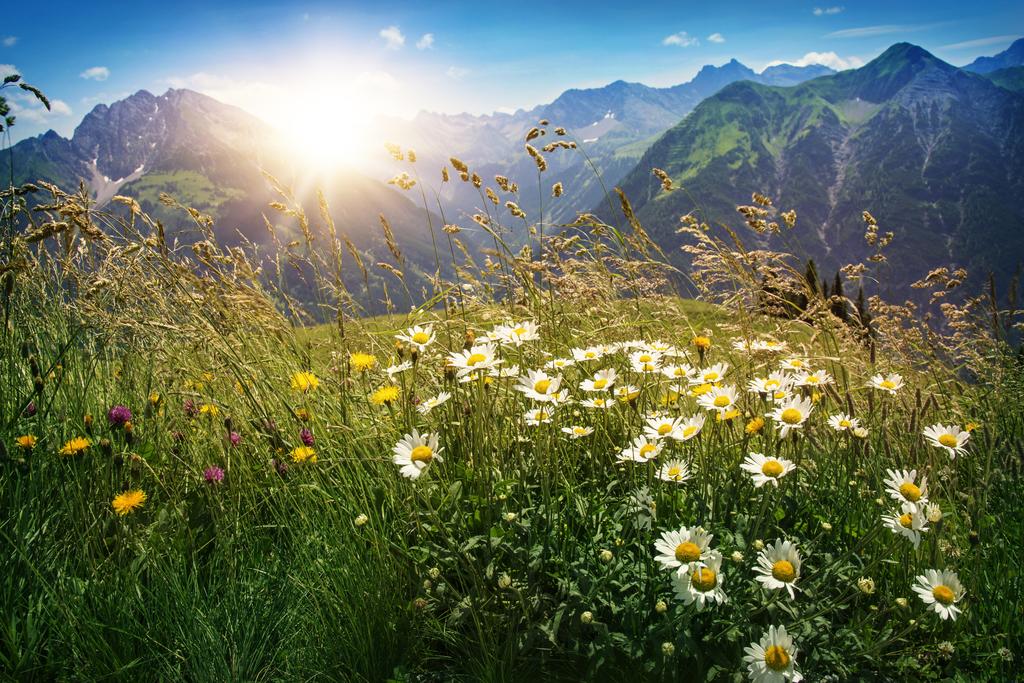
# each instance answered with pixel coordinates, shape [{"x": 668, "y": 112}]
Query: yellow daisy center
[
  {"x": 687, "y": 551},
  {"x": 943, "y": 594},
  {"x": 710, "y": 376},
  {"x": 600, "y": 383},
  {"x": 475, "y": 358},
  {"x": 948, "y": 440},
  {"x": 844, "y": 423},
  {"x": 542, "y": 386},
  {"x": 579, "y": 431},
  {"x": 721, "y": 401},
  {"x": 421, "y": 454},
  {"x": 645, "y": 358},
  {"x": 421, "y": 337},
  {"x": 910, "y": 492},
  {"x": 689, "y": 430},
  {"x": 519, "y": 331},
  {"x": 906, "y": 520},
  {"x": 541, "y": 416},
  {"x": 704, "y": 579},
  {"x": 674, "y": 473},
  {"x": 776, "y": 658},
  {"x": 664, "y": 428},
  {"x": 783, "y": 571},
  {"x": 812, "y": 379},
  {"x": 887, "y": 384},
  {"x": 679, "y": 372},
  {"x": 771, "y": 468},
  {"x": 590, "y": 354},
  {"x": 772, "y": 384},
  {"x": 791, "y": 416},
  {"x": 647, "y": 449}
]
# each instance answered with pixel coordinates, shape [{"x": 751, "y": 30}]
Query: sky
[{"x": 281, "y": 61}]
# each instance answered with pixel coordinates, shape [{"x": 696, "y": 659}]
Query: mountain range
[{"x": 934, "y": 152}]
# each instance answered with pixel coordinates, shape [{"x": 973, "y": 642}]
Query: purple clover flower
[
  {"x": 118, "y": 415},
  {"x": 213, "y": 474},
  {"x": 235, "y": 438},
  {"x": 306, "y": 436}
]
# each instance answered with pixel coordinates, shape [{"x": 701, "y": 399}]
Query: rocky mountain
[
  {"x": 1010, "y": 57},
  {"x": 212, "y": 157},
  {"x": 936, "y": 153},
  {"x": 1011, "y": 78},
  {"x": 614, "y": 124}
]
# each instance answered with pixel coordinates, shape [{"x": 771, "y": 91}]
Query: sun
[{"x": 328, "y": 125}]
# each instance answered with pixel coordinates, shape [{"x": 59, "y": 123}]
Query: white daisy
[
  {"x": 949, "y": 437},
  {"x": 909, "y": 523},
  {"x": 393, "y": 370},
  {"x": 766, "y": 469},
  {"x": 415, "y": 452},
  {"x": 601, "y": 381},
  {"x": 702, "y": 583},
  {"x": 429, "y": 404},
  {"x": 674, "y": 471},
  {"x": 419, "y": 336},
  {"x": 645, "y": 361},
  {"x": 716, "y": 373},
  {"x": 773, "y": 658},
  {"x": 538, "y": 416},
  {"x": 660, "y": 427},
  {"x": 539, "y": 385},
  {"x": 791, "y": 415},
  {"x": 842, "y": 422},
  {"x": 627, "y": 393},
  {"x": 641, "y": 450},
  {"x": 577, "y": 432},
  {"x": 517, "y": 334},
  {"x": 776, "y": 381},
  {"x": 903, "y": 487},
  {"x": 679, "y": 372},
  {"x": 477, "y": 357},
  {"x": 597, "y": 403},
  {"x": 559, "y": 364},
  {"x": 778, "y": 567},
  {"x": 941, "y": 590},
  {"x": 795, "y": 364},
  {"x": 590, "y": 353},
  {"x": 890, "y": 383},
  {"x": 689, "y": 428},
  {"x": 813, "y": 378},
  {"x": 720, "y": 399},
  {"x": 680, "y": 549}
]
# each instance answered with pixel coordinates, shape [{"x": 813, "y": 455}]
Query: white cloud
[
  {"x": 425, "y": 42},
  {"x": 96, "y": 73},
  {"x": 880, "y": 30},
  {"x": 820, "y": 11},
  {"x": 829, "y": 59},
  {"x": 980, "y": 42},
  {"x": 26, "y": 108},
  {"x": 10, "y": 41},
  {"x": 457, "y": 72},
  {"x": 681, "y": 39},
  {"x": 393, "y": 37},
  {"x": 716, "y": 38},
  {"x": 8, "y": 69}
]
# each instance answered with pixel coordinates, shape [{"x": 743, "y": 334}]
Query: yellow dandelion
[
  {"x": 129, "y": 501},
  {"x": 304, "y": 382},
  {"x": 75, "y": 446},
  {"x": 362, "y": 362},
  {"x": 209, "y": 409},
  {"x": 755, "y": 425},
  {"x": 971, "y": 426},
  {"x": 154, "y": 399},
  {"x": 26, "y": 442},
  {"x": 701, "y": 342},
  {"x": 386, "y": 395},
  {"x": 727, "y": 415},
  {"x": 304, "y": 414},
  {"x": 303, "y": 454}
]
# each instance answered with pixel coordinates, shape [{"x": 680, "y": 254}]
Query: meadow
[{"x": 556, "y": 467}]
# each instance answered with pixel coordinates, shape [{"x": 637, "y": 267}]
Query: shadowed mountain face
[
  {"x": 614, "y": 124},
  {"x": 212, "y": 156},
  {"x": 1008, "y": 58},
  {"x": 934, "y": 152}
]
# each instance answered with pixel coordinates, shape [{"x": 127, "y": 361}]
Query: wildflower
[
  {"x": 668, "y": 649},
  {"x": 303, "y": 454},
  {"x": 606, "y": 556},
  {"x": 429, "y": 404},
  {"x": 235, "y": 438},
  {"x": 26, "y": 442},
  {"x": 791, "y": 415},
  {"x": 576, "y": 432},
  {"x": 866, "y": 585},
  {"x": 505, "y": 581},
  {"x": 902, "y": 603},
  {"x": 754, "y": 426},
  {"x": 736, "y": 556},
  {"x": 860, "y": 432},
  {"x": 701, "y": 343},
  {"x": 538, "y": 385},
  {"x": 758, "y": 544},
  {"x": 399, "y": 368},
  {"x": 934, "y": 513},
  {"x": 715, "y": 373},
  {"x": 415, "y": 452},
  {"x": 154, "y": 399},
  {"x": 778, "y": 567},
  {"x": 773, "y": 658},
  {"x": 386, "y": 395},
  {"x": 720, "y": 399},
  {"x": 538, "y": 416},
  {"x": 946, "y": 649},
  {"x": 419, "y": 336},
  {"x": 598, "y": 403},
  {"x": 75, "y": 446},
  {"x": 950, "y": 437},
  {"x": 727, "y": 415},
  {"x": 681, "y": 549},
  {"x": 940, "y": 590},
  {"x": 627, "y": 393},
  {"x": 641, "y": 450},
  {"x": 645, "y": 361},
  {"x": 477, "y": 357},
  {"x": 306, "y": 436},
  {"x": 702, "y": 582},
  {"x": 901, "y": 487},
  {"x": 360, "y": 520},
  {"x": 209, "y": 409},
  {"x": 601, "y": 381},
  {"x": 129, "y": 501},
  {"x": 118, "y": 416},
  {"x": 675, "y": 471},
  {"x": 362, "y": 362},
  {"x": 517, "y": 334},
  {"x": 304, "y": 382},
  {"x": 909, "y": 523},
  {"x": 190, "y": 408},
  {"x": 775, "y": 382},
  {"x": 509, "y": 516},
  {"x": 826, "y": 527},
  {"x": 587, "y": 617},
  {"x": 766, "y": 469},
  {"x": 689, "y": 428},
  {"x": 890, "y": 383},
  {"x": 661, "y": 427},
  {"x": 661, "y": 607},
  {"x": 842, "y": 422},
  {"x": 30, "y": 409},
  {"x": 812, "y": 379},
  {"x": 590, "y": 353},
  {"x": 213, "y": 475},
  {"x": 795, "y": 364}
]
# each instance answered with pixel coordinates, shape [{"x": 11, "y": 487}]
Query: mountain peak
[
  {"x": 1008, "y": 58},
  {"x": 889, "y": 72}
]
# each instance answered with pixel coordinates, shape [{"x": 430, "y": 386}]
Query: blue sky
[{"x": 398, "y": 58}]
